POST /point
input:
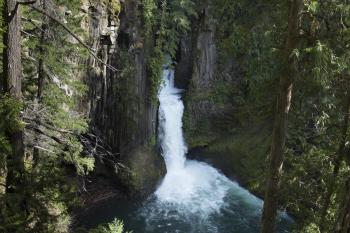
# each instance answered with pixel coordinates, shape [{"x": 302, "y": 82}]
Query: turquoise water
[{"x": 193, "y": 197}]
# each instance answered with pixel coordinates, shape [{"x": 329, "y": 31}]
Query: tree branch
[
  {"x": 91, "y": 51},
  {"x": 44, "y": 149},
  {"x": 32, "y": 22},
  {"x": 28, "y": 34},
  {"x": 25, "y": 2},
  {"x": 56, "y": 139}
]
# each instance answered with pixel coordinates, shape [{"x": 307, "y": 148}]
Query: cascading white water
[
  {"x": 195, "y": 186},
  {"x": 170, "y": 117},
  {"x": 195, "y": 197}
]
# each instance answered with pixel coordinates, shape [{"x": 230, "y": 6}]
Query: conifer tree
[{"x": 281, "y": 118}]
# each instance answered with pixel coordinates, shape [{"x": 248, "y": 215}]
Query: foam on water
[{"x": 194, "y": 197}]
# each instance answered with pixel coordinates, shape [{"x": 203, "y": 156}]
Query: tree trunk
[
  {"x": 339, "y": 157},
  {"x": 12, "y": 70},
  {"x": 44, "y": 36},
  {"x": 12, "y": 52},
  {"x": 343, "y": 222},
  {"x": 281, "y": 119}
]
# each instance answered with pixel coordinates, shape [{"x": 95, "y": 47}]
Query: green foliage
[
  {"x": 252, "y": 34},
  {"x": 2, "y": 30},
  {"x": 254, "y": 39},
  {"x": 154, "y": 67},
  {"x": 169, "y": 21},
  {"x": 116, "y": 226},
  {"x": 9, "y": 111},
  {"x": 53, "y": 124},
  {"x": 115, "y": 4},
  {"x": 10, "y": 122},
  {"x": 175, "y": 22},
  {"x": 149, "y": 16},
  {"x": 62, "y": 91}
]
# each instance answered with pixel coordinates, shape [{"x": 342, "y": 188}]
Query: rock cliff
[{"x": 118, "y": 102}]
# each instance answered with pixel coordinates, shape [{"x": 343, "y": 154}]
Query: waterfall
[
  {"x": 189, "y": 184},
  {"x": 170, "y": 120},
  {"x": 193, "y": 196}
]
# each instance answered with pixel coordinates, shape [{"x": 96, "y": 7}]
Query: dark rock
[{"x": 118, "y": 103}]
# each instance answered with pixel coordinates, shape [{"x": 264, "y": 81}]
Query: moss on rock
[
  {"x": 241, "y": 155},
  {"x": 146, "y": 168}
]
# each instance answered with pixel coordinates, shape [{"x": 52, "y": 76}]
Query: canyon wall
[{"x": 118, "y": 102}]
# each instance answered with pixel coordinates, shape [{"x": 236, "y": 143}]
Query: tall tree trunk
[
  {"x": 281, "y": 119},
  {"x": 339, "y": 157},
  {"x": 12, "y": 52},
  {"x": 47, "y": 6},
  {"x": 12, "y": 70},
  {"x": 343, "y": 221}
]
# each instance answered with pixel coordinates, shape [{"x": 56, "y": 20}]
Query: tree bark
[
  {"x": 339, "y": 158},
  {"x": 13, "y": 83},
  {"x": 281, "y": 118},
  {"x": 12, "y": 70},
  {"x": 12, "y": 52},
  {"x": 47, "y": 6}
]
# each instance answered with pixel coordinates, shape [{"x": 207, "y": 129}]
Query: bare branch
[
  {"x": 56, "y": 139},
  {"x": 44, "y": 149},
  {"x": 25, "y": 2},
  {"x": 33, "y": 22},
  {"x": 91, "y": 51},
  {"x": 27, "y": 33},
  {"x": 48, "y": 126}
]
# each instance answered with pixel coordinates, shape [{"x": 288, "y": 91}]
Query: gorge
[
  {"x": 193, "y": 196},
  {"x": 154, "y": 116}
]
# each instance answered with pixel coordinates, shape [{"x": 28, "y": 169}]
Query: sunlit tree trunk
[
  {"x": 12, "y": 70},
  {"x": 281, "y": 118}
]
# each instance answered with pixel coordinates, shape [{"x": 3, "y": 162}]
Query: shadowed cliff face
[
  {"x": 201, "y": 79},
  {"x": 118, "y": 102},
  {"x": 211, "y": 111},
  {"x": 124, "y": 121},
  {"x": 211, "y": 80}
]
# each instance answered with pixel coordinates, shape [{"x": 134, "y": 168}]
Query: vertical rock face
[
  {"x": 207, "y": 100},
  {"x": 212, "y": 125},
  {"x": 184, "y": 62},
  {"x": 199, "y": 105},
  {"x": 206, "y": 53},
  {"x": 118, "y": 102}
]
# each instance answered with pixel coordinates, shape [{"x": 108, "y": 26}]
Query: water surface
[{"x": 193, "y": 197}]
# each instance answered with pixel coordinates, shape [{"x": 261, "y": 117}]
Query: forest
[{"x": 174, "y": 116}]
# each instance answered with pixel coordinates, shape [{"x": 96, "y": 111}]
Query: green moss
[
  {"x": 146, "y": 168},
  {"x": 246, "y": 152},
  {"x": 200, "y": 135},
  {"x": 114, "y": 6},
  {"x": 241, "y": 155},
  {"x": 154, "y": 71},
  {"x": 153, "y": 141}
]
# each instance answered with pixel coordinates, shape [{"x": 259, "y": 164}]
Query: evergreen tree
[{"x": 288, "y": 74}]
